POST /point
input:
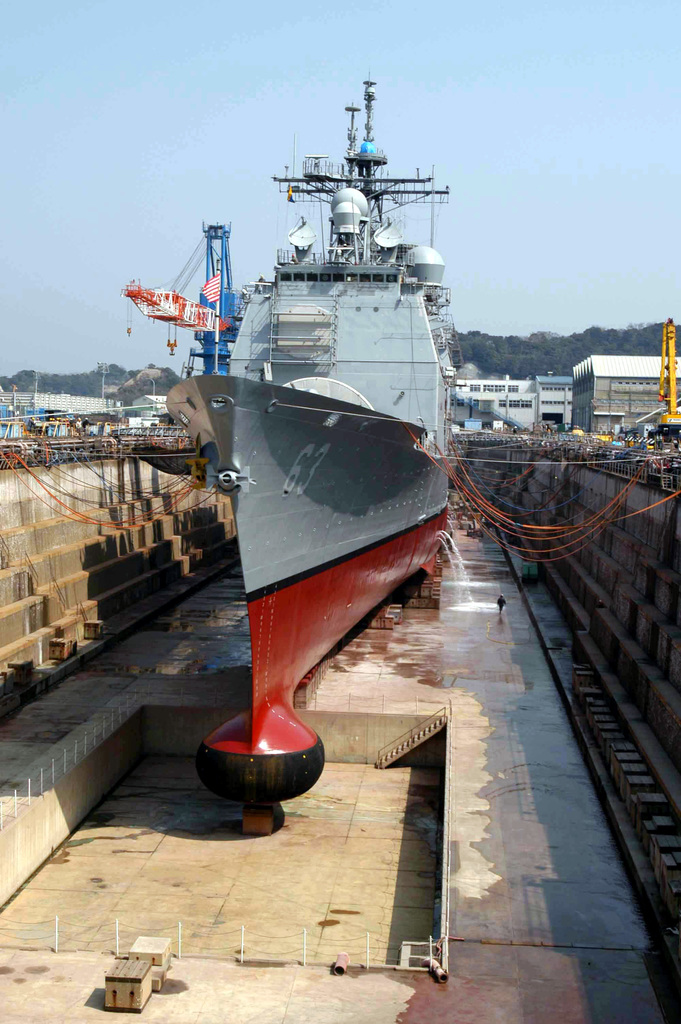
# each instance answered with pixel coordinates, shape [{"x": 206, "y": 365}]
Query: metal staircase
[{"x": 413, "y": 738}]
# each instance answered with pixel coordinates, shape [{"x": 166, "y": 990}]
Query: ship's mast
[{"x": 363, "y": 170}]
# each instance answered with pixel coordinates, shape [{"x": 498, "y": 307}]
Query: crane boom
[
  {"x": 172, "y": 308},
  {"x": 668, "y": 367}
]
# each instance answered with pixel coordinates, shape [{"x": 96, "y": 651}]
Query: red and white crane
[{"x": 172, "y": 308}]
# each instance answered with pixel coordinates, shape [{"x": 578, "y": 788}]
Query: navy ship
[{"x": 325, "y": 432}]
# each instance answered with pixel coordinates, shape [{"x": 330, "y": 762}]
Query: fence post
[
  {"x": 241, "y": 957},
  {"x": 56, "y": 933},
  {"x": 367, "y": 960},
  {"x": 179, "y": 940},
  {"x": 116, "y": 936},
  {"x": 304, "y": 946}
]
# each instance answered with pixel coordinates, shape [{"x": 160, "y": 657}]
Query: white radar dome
[
  {"x": 351, "y": 195},
  {"x": 349, "y": 207},
  {"x": 429, "y": 267}
]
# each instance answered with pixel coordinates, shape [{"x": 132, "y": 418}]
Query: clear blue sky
[{"x": 125, "y": 125}]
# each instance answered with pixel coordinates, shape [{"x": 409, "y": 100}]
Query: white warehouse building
[{"x": 522, "y": 404}]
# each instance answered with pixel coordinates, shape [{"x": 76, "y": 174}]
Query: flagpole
[{"x": 217, "y": 322}]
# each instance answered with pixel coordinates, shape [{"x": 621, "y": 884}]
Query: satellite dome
[
  {"x": 351, "y": 195},
  {"x": 349, "y": 207},
  {"x": 367, "y": 147},
  {"x": 429, "y": 266}
]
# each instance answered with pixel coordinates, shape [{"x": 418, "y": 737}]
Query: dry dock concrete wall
[
  {"x": 27, "y": 842},
  {"x": 621, "y": 592},
  {"x": 90, "y": 540},
  {"x": 347, "y": 737}
]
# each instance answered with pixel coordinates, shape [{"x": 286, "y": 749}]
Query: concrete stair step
[
  {"x": 21, "y": 617},
  {"x": 15, "y": 583},
  {"x": 88, "y": 584}
]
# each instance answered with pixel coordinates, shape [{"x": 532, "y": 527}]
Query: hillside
[
  {"x": 124, "y": 385},
  {"x": 545, "y": 352}
]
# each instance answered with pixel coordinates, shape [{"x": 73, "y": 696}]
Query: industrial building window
[
  {"x": 502, "y": 403},
  {"x": 513, "y": 387},
  {"x": 474, "y": 387}
]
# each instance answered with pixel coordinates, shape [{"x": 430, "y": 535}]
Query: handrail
[{"x": 410, "y": 733}]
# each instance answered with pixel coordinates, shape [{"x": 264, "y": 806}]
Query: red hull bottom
[{"x": 293, "y": 628}]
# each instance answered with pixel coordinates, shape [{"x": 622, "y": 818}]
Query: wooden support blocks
[
  {"x": 93, "y": 629},
  {"x": 157, "y": 952},
  {"x": 258, "y": 820},
  {"x": 60, "y": 648},
  {"x": 23, "y": 670},
  {"x": 127, "y": 986}
]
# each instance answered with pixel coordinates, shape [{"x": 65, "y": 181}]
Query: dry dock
[{"x": 543, "y": 917}]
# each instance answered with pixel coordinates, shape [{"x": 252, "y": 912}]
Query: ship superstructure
[{"x": 325, "y": 433}]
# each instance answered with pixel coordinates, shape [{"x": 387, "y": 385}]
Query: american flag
[{"x": 211, "y": 289}]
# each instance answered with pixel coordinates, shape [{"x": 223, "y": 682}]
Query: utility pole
[{"x": 103, "y": 368}]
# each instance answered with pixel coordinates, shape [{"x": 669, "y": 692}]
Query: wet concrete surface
[
  {"x": 549, "y": 923},
  {"x": 549, "y": 920}
]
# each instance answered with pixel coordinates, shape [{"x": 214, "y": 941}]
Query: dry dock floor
[
  {"x": 549, "y": 925},
  {"x": 356, "y": 854}
]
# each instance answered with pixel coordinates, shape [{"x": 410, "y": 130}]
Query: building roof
[
  {"x": 641, "y": 367},
  {"x": 552, "y": 378}
]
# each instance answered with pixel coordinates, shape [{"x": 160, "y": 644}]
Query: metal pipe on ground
[
  {"x": 436, "y": 969},
  {"x": 341, "y": 964}
]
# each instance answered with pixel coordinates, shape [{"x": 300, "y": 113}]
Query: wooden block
[
  {"x": 127, "y": 986},
  {"x": 158, "y": 978},
  {"x": 643, "y": 805},
  {"x": 92, "y": 629},
  {"x": 258, "y": 820},
  {"x": 60, "y": 649},
  {"x": 155, "y": 949},
  {"x": 23, "y": 670}
]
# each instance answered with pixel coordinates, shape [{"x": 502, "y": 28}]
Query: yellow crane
[{"x": 670, "y": 421}]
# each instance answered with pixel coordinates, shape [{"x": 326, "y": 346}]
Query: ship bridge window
[
  {"x": 339, "y": 277},
  {"x": 284, "y": 277},
  {"x": 391, "y": 278},
  {"x": 378, "y": 278},
  {"x": 299, "y": 277},
  {"x": 351, "y": 277},
  {"x": 325, "y": 277},
  {"x": 365, "y": 277},
  {"x": 313, "y": 277}
]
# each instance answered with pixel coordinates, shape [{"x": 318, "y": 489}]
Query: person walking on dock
[{"x": 501, "y": 601}]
